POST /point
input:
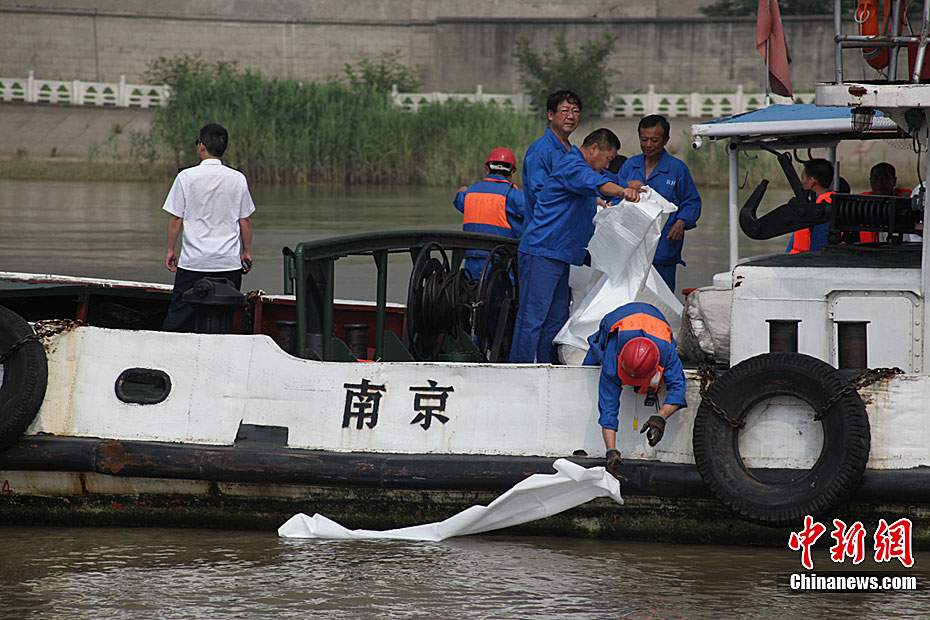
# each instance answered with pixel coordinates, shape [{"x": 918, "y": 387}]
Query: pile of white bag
[{"x": 621, "y": 271}]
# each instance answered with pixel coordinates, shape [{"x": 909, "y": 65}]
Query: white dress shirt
[{"x": 211, "y": 199}]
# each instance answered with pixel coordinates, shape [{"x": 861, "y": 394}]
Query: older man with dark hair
[
  {"x": 212, "y": 205},
  {"x": 557, "y": 237},
  {"x": 670, "y": 177},
  {"x": 564, "y": 111}
]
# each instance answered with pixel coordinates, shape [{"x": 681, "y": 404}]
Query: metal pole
[
  {"x": 925, "y": 257},
  {"x": 837, "y": 48},
  {"x": 768, "y": 61},
  {"x": 922, "y": 46},
  {"x": 855, "y": 40},
  {"x": 831, "y": 157},
  {"x": 300, "y": 293},
  {"x": 733, "y": 155},
  {"x": 895, "y": 24},
  {"x": 329, "y": 322},
  {"x": 381, "y": 261}
]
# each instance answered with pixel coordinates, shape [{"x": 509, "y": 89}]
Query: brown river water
[{"x": 117, "y": 230}]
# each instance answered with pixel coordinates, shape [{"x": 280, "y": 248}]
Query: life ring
[
  {"x": 23, "y": 380},
  {"x": 839, "y": 467},
  {"x": 867, "y": 17}
]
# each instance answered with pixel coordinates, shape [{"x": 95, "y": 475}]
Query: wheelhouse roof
[{"x": 792, "y": 125}]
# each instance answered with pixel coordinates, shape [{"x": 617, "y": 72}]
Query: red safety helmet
[
  {"x": 501, "y": 155},
  {"x": 638, "y": 361}
]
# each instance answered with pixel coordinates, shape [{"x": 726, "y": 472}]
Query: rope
[{"x": 445, "y": 300}]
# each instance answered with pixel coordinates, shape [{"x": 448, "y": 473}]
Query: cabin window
[{"x": 143, "y": 386}]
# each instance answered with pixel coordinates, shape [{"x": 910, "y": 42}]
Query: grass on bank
[
  {"x": 285, "y": 131},
  {"x": 25, "y": 168}
]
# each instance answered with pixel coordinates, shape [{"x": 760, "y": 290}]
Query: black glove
[
  {"x": 613, "y": 462},
  {"x": 654, "y": 429}
]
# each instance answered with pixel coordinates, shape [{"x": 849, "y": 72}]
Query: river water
[
  {"x": 141, "y": 574},
  {"x": 117, "y": 230}
]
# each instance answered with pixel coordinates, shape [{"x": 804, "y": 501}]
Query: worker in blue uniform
[
  {"x": 670, "y": 177},
  {"x": 557, "y": 237},
  {"x": 634, "y": 346},
  {"x": 563, "y": 109},
  {"x": 493, "y": 205}
]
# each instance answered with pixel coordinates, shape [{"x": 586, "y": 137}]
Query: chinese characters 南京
[{"x": 363, "y": 402}]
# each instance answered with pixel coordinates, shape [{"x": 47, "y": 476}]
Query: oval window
[{"x": 143, "y": 386}]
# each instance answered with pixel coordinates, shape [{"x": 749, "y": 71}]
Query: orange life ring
[{"x": 867, "y": 15}]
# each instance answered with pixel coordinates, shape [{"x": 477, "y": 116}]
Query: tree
[
  {"x": 730, "y": 8},
  {"x": 583, "y": 71},
  {"x": 384, "y": 72}
]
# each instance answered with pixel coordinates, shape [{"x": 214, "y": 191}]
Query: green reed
[{"x": 285, "y": 131}]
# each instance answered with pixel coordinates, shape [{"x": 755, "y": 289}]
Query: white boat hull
[{"x": 220, "y": 382}]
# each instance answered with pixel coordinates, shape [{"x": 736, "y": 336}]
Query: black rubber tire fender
[
  {"x": 25, "y": 377},
  {"x": 839, "y": 467}
]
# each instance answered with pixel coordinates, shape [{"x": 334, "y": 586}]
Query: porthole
[{"x": 143, "y": 386}]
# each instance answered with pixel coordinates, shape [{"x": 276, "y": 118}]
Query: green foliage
[
  {"x": 171, "y": 70},
  {"x": 583, "y": 71},
  {"x": 284, "y": 131},
  {"x": 384, "y": 72},
  {"x": 456, "y": 137},
  {"x": 732, "y": 8}
]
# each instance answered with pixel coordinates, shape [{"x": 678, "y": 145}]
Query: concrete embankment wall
[
  {"x": 48, "y": 131},
  {"x": 458, "y": 45}
]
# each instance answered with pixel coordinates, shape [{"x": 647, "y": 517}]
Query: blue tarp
[
  {"x": 790, "y": 112},
  {"x": 782, "y": 120}
]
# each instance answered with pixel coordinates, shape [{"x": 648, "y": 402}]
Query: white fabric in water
[{"x": 536, "y": 497}]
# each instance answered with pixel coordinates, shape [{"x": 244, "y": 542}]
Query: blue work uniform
[
  {"x": 556, "y": 237},
  {"x": 673, "y": 181},
  {"x": 493, "y": 206},
  {"x": 540, "y": 159},
  {"x": 616, "y": 329}
]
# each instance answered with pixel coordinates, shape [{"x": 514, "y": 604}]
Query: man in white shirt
[{"x": 211, "y": 204}]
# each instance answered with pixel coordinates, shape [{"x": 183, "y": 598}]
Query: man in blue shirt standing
[
  {"x": 564, "y": 111},
  {"x": 556, "y": 237},
  {"x": 493, "y": 206},
  {"x": 670, "y": 177},
  {"x": 634, "y": 346}
]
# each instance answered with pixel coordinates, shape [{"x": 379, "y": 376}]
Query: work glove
[
  {"x": 654, "y": 429},
  {"x": 614, "y": 462}
]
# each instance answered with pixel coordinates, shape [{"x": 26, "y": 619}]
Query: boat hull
[{"x": 68, "y": 480}]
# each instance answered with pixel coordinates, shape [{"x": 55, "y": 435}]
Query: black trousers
[{"x": 181, "y": 316}]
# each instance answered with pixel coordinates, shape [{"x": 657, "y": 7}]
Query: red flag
[{"x": 768, "y": 29}]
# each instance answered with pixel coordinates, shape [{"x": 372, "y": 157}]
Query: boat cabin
[{"x": 853, "y": 305}]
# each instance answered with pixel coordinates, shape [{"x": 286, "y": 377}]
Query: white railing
[
  {"x": 76, "y": 92},
  {"x": 412, "y": 101},
  {"x": 620, "y": 105}
]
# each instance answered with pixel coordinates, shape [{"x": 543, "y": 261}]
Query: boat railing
[
  {"x": 894, "y": 43},
  {"x": 313, "y": 261}
]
